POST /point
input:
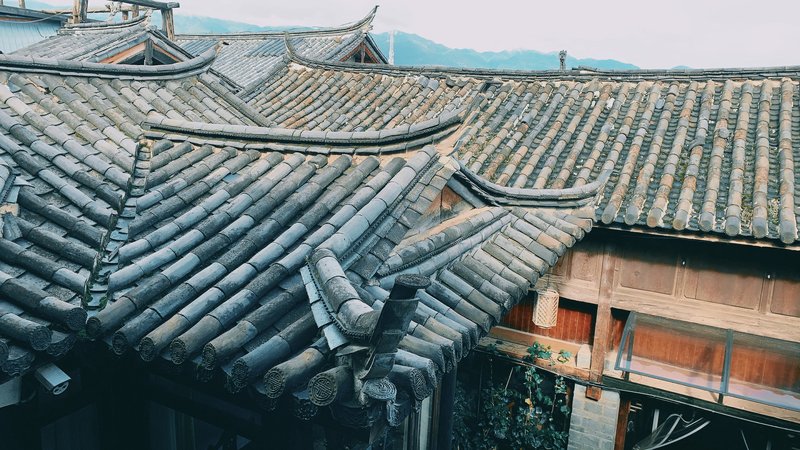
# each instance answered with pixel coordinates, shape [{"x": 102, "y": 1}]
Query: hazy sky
[{"x": 650, "y": 34}]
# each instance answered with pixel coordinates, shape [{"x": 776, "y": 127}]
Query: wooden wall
[
  {"x": 575, "y": 321},
  {"x": 749, "y": 289}
]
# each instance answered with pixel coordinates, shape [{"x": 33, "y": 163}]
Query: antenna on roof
[
  {"x": 391, "y": 47},
  {"x": 562, "y": 59}
]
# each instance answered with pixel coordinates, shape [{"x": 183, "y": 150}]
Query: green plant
[{"x": 524, "y": 410}]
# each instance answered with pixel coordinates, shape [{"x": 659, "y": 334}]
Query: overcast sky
[{"x": 650, "y": 34}]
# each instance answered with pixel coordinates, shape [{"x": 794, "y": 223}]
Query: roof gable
[
  {"x": 248, "y": 58},
  {"x": 129, "y": 42}
]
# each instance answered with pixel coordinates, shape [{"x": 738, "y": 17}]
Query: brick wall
[{"x": 593, "y": 424}]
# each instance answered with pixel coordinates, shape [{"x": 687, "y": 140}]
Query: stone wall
[{"x": 593, "y": 424}]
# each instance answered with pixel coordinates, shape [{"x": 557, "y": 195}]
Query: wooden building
[{"x": 302, "y": 257}]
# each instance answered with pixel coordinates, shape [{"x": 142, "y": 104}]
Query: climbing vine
[{"x": 515, "y": 408}]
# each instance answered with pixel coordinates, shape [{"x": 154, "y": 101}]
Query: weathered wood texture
[
  {"x": 748, "y": 289},
  {"x": 79, "y": 9},
  {"x": 602, "y": 323},
  {"x": 575, "y": 321},
  {"x": 168, "y": 23}
]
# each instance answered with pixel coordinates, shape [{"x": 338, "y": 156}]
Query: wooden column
[
  {"x": 168, "y": 23},
  {"x": 135, "y": 11},
  {"x": 622, "y": 424},
  {"x": 79, "y": 8},
  {"x": 148, "y": 53},
  {"x": 22, "y": 4},
  {"x": 447, "y": 398},
  {"x": 602, "y": 326}
]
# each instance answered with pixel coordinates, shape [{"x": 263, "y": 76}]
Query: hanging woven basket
[{"x": 545, "y": 313}]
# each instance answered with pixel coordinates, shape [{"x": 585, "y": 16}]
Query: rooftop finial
[{"x": 562, "y": 59}]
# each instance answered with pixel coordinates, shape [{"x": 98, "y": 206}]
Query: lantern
[{"x": 545, "y": 313}]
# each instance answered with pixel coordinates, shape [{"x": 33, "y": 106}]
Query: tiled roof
[
  {"x": 249, "y": 57},
  {"x": 704, "y": 151},
  {"x": 294, "y": 240},
  {"x": 97, "y": 41},
  {"x": 16, "y": 35},
  {"x": 194, "y": 229},
  {"x": 711, "y": 156},
  {"x": 208, "y": 269},
  {"x": 68, "y": 152},
  {"x": 20, "y": 27},
  {"x": 347, "y": 101}
]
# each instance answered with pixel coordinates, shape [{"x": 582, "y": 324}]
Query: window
[{"x": 727, "y": 362}]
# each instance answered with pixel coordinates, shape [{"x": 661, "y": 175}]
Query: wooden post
[
  {"x": 148, "y": 53},
  {"x": 135, "y": 11},
  {"x": 79, "y": 8},
  {"x": 622, "y": 424},
  {"x": 124, "y": 14},
  {"x": 447, "y": 398},
  {"x": 362, "y": 53},
  {"x": 22, "y": 4},
  {"x": 168, "y": 23},
  {"x": 602, "y": 326}
]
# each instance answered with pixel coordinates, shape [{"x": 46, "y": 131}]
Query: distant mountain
[
  {"x": 201, "y": 24},
  {"x": 411, "y": 49}
]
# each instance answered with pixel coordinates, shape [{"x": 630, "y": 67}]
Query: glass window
[
  {"x": 741, "y": 365},
  {"x": 682, "y": 352},
  {"x": 765, "y": 370}
]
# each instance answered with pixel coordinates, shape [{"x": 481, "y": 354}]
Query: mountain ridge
[{"x": 412, "y": 49}]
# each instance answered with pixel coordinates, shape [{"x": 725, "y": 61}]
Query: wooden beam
[
  {"x": 168, "y": 24},
  {"x": 79, "y": 9},
  {"x": 90, "y": 10},
  {"x": 153, "y": 4},
  {"x": 602, "y": 327},
  {"x": 125, "y": 54}
]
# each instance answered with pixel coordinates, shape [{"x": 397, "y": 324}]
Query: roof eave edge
[
  {"x": 192, "y": 66},
  {"x": 361, "y": 24}
]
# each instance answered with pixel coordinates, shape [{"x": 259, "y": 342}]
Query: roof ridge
[
  {"x": 400, "y": 133},
  {"x": 362, "y": 24},
  {"x": 73, "y": 28},
  {"x": 576, "y": 73},
  {"x": 559, "y": 198},
  {"x": 198, "y": 64}
]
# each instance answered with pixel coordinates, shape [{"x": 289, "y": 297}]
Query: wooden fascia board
[{"x": 136, "y": 49}]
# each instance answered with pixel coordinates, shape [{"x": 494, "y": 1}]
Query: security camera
[{"x": 52, "y": 378}]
